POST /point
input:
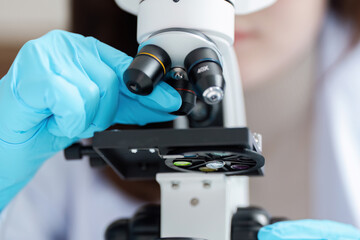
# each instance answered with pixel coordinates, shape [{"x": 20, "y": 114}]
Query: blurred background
[
  {"x": 22, "y": 20},
  {"x": 281, "y": 192}
]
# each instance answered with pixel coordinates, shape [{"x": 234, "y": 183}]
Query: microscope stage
[{"x": 144, "y": 153}]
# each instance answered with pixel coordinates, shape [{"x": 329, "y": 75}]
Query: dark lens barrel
[
  {"x": 177, "y": 78},
  {"x": 180, "y": 238},
  {"x": 149, "y": 66},
  {"x": 206, "y": 74}
]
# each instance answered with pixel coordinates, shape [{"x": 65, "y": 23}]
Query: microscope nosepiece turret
[{"x": 206, "y": 74}]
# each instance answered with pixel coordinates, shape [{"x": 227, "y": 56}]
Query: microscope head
[
  {"x": 185, "y": 38},
  {"x": 189, "y": 45},
  {"x": 241, "y": 6}
]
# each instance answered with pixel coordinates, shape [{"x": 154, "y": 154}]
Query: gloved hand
[
  {"x": 60, "y": 88},
  {"x": 309, "y": 229}
]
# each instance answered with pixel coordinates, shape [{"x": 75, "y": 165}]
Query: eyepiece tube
[{"x": 149, "y": 66}]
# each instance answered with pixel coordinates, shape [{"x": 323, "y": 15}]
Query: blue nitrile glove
[
  {"x": 60, "y": 88},
  {"x": 309, "y": 229}
]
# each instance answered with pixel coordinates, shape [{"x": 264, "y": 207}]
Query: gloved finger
[
  {"x": 108, "y": 84},
  {"x": 68, "y": 108},
  {"x": 163, "y": 98},
  {"x": 18, "y": 122},
  {"x": 115, "y": 59},
  {"x": 118, "y": 62},
  {"x": 308, "y": 229},
  {"x": 89, "y": 91},
  {"x": 43, "y": 79},
  {"x": 133, "y": 112}
]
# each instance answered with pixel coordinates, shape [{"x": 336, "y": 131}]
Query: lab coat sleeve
[
  {"x": 336, "y": 167},
  {"x": 39, "y": 210},
  {"x": 3, "y": 215}
]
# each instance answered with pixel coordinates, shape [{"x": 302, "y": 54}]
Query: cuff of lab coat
[{"x": 3, "y": 217}]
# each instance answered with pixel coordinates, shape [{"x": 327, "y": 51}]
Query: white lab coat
[
  {"x": 69, "y": 200},
  {"x": 65, "y": 200},
  {"x": 336, "y": 146}
]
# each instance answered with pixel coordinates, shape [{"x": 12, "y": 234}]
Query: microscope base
[{"x": 145, "y": 225}]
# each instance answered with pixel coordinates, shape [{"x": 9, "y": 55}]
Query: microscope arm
[
  {"x": 198, "y": 204},
  {"x": 241, "y": 6}
]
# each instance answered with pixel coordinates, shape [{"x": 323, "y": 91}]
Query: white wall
[{"x": 22, "y": 20}]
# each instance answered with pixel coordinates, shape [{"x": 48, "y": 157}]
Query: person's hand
[
  {"x": 62, "y": 87},
  {"x": 309, "y": 229}
]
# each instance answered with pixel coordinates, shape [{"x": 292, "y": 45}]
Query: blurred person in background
[{"x": 298, "y": 61}]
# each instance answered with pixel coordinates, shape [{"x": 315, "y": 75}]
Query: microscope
[{"x": 203, "y": 163}]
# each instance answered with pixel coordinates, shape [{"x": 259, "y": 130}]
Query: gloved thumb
[{"x": 309, "y": 229}]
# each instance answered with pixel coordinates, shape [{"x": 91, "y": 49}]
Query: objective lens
[
  {"x": 240, "y": 167},
  {"x": 213, "y": 95},
  {"x": 206, "y": 169},
  {"x": 182, "y": 164},
  {"x": 205, "y": 72},
  {"x": 215, "y": 164},
  {"x": 178, "y": 79},
  {"x": 149, "y": 66}
]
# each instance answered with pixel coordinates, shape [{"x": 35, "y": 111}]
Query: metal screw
[
  {"x": 258, "y": 140},
  {"x": 178, "y": 76},
  {"x": 134, "y": 150},
  {"x": 175, "y": 185},
  {"x": 207, "y": 184},
  {"x": 213, "y": 95},
  {"x": 215, "y": 164},
  {"x": 194, "y": 202}
]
